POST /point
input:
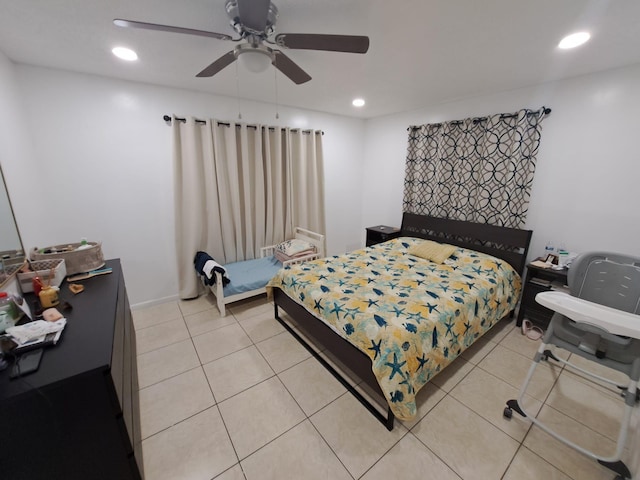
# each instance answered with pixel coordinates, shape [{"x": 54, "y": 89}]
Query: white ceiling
[{"x": 422, "y": 52}]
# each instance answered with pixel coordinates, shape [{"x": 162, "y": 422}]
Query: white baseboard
[{"x": 157, "y": 301}]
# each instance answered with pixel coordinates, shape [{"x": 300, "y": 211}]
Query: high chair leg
[{"x": 613, "y": 462}]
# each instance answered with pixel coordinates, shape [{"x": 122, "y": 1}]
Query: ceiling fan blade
[
  {"x": 317, "y": 41},
  {"x": 218, "y": 65},
  {"x": 168, "y": 28},
  {"x": 253, "y": 13},
  {"x": 290, "y": 69}
]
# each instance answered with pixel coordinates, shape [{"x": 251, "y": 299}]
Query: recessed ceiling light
[
  {"x": 358, "y": 102},
  {"x": 574, "y": 40},
  {"x": 125, "y": 53}
]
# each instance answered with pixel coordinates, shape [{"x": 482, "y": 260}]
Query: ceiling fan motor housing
[
  {"x": 255, "y": 58},
  {"x": 234, "y": 15}
]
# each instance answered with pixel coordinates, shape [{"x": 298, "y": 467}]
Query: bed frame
[
  {"x": 509, "y": 244},
  {"x": 299, "y": 233}
]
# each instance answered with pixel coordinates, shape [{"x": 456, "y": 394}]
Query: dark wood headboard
[{"x": 509, "y": 244}]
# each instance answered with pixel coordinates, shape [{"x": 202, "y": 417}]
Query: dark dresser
[{"x": 78, "y": 417}]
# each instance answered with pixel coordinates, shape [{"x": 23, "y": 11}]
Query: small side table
[
  {"x": 381, "y": 233},
  {"x": 539, "y": 280}
]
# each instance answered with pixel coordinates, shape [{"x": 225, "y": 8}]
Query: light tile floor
[{"x": 237, "y": 398}]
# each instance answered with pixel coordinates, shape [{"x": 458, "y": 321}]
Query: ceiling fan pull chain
[
  {"x": 275, "y": 81},
  {"x": 238, "y": 92}
]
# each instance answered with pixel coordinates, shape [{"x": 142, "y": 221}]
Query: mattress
[
  {"x": 250, "y": 274},
  {"x": 410, "y": 316}
]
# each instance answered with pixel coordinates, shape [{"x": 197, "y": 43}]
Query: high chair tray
[{"x": 612, "y": 320}]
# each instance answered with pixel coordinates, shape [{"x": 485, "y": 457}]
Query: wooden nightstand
[
  {"x": 539, "y": 280},
  {"x": 381, "y": 233}
]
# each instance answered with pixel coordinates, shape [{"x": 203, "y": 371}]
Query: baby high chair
[{"x": 599, "y": 321}]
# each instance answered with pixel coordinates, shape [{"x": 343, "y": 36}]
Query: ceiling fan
[{"x": 254, "y": 21}]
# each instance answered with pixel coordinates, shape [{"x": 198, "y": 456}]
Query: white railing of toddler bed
[{"x": 314, "y": 238}]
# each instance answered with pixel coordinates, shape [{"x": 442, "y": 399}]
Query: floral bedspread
[{"x": 412, "y": 317}]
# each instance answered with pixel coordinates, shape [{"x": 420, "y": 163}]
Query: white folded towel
[{"x": 210, "y": 266}]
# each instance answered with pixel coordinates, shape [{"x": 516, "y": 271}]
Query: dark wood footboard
[{"x": 327, "y": 341}]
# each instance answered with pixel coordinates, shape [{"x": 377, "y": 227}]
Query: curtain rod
[
  {"x": 168, "y": 119},
  {"x": 545, "y": 110}
]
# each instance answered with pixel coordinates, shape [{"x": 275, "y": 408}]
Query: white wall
[
  {"x": 102, "y": 156},
  {"x": 103, "y": 168},
  {"x": 90, "y": 156},
  {"x": 588, "y": 170},
  {"x": 9, "y": 239},
  {"x": 15, "y": 155}
]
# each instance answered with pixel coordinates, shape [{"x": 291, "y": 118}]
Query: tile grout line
[
  {"x": 521, "y": 446},
  {"x": 425, "y": 445},
  {"x": 138, "y": 329},
  {"x": 253, "y": 344},
  {"x": 217, "y": 406},
  {"x": 325, "y": 440},
  {"x": 168, "y": 344},
  {"x": 544, "y": 403},
  {"x": 448, "y": 394}
]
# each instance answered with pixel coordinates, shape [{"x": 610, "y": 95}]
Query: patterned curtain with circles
[{"x": 477, "y": 169}]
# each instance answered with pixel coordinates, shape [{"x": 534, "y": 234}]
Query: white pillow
[{"x": 295, "y": 247}]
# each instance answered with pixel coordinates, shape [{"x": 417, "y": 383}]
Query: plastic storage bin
[{"x": 51, "y": 272}]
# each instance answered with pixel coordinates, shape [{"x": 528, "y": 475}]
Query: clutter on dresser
[
  {"x": 49, "y": 296},
  {"x": 76, "y": 288},
  {"x": 8, "y": 313},
  {"x": 80, "y": 257},
  {"x": 51, "y": 315},
  {"x": 13, "y": 310},
  {"x": 36, "y": 334},
  {"x": 37, "y": 274},
  {"x": 86, "y": 275}
]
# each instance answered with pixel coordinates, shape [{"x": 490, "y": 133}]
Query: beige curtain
[{"x": 239, "y": 188}]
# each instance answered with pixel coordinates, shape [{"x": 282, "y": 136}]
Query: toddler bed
[
  {"x": 396, "y": 319},
  {"x": 248, "y": 278}
]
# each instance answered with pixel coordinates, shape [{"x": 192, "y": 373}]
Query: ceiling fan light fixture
[
  {"x": 574, "y": 40},
  {"x": 124, "y": 53},
  {"x": 256, "y": 59}
]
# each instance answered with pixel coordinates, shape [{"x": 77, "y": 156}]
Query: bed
[
  {"x": 249, "y": 277},
  {"x": 396, "y": 320}
]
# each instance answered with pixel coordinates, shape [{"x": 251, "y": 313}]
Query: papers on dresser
[{"x": 33, "y": 333}]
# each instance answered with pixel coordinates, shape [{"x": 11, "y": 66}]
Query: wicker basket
[{"x": 77, "y": 261}]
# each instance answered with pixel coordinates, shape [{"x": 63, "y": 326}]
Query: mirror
[{"x": 11, "y": 250}]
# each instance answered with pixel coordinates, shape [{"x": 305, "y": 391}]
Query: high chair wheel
[{"x": 507, "y": 413}]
